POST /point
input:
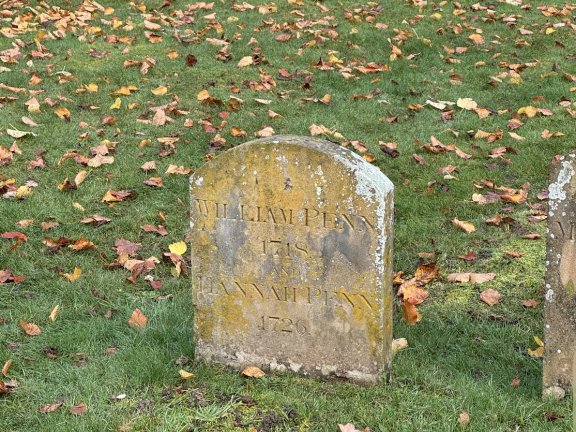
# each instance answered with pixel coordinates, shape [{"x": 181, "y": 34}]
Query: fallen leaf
[
  {"x": 245, "y": 61},
  {"x": 253, "y": 372},
  {"x": 515, "y": 382},
  {"x": 185, "y": 375},
  {"x": 29, "y": 328},
  {"x": 137, "y": 320},
  {"x": 79, "y": 409},
  {"x": 6, "y": 367},
  {"x": 54, "y": 312},
  {"x": 159, "y": 91},
  {"x": 463, "y": 418},
  {"x": 490, "y": 297},
  {"x": 410, "y": 314},
  {"x": 49, "y": 408},
  {"x": 72, "y": 276},
  {"x": 399, "y": 344},
  {"x": 178, "y": 248},
  {"x": 466, "y": 226},
  {"x": 530, "y": 303}
]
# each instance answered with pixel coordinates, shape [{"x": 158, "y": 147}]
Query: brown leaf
[
  {"x": 463, "y": 418},
  {"x": 151, "y": 165},
  {"x": 125, "y": 247},
  {"x": 154, "y": 181},
  {"x": 252, "y": 371},
  {"x": 481, "y": 277},
  {"x": 552, "y": 416},
  {"x": 419, "y": 159},
  {"x": 532, "y": 236},
  {"x": 466, "y": 226},
  {"x": 470, "y": 256},
  {"x": 49, "y": 408},
  {"x": 191, "y": 60},
  {"x": 513, "y": 254},
  {"x": 530, "y": 303},
  {"x": 490, "y": 297},
  {"x": 137, "y": 320},
  {"x": 29, "y": 328},
  {"x": 48, "y": 225},
  {"x": 3, "y": 388},
  {"x": 515, "y": 382},
  {"x": 79, "y": 409},
  {"x": 266, "y": 132}
]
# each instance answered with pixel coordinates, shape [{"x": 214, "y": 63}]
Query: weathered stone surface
[
  {"x": 560, "y": 303},
  {"x": 292, "y": 259}
]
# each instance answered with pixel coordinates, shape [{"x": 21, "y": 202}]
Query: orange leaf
[
  {"x": 466, "y": 226},
  {"x": 6, "y": 366},
  {"x": 410, "y": 314},
  {"x": 253, "y": 371},
  {"x": 29, "y": 328},
  {"x": 137, "y": 320}
]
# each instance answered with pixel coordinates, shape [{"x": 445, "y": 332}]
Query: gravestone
[
  {"x": 560, "y": 302},
  {"x": 292, "y": 259}
]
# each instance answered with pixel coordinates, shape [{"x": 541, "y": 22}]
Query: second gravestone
[
  {"x": 560, "y": 303},
  {"x": 292, "y": 259}
]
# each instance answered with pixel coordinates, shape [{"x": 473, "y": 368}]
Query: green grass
[{"x": 458, "y": 360}]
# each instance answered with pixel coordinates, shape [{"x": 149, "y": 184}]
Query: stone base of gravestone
[
  {"x": 560, "y": 303},
  {"x": 292, "y": 259}
]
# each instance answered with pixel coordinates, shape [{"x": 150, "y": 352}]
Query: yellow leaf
[
  {"x": 245, "y": 61},
  {"x": 62, "y": 112},
  {"x": 72, "y": 276},
  {"x": 538, "y": 341},
  {"x": 203, "y": 95},
  {"x": 466, "y": 103},
  {"x": 172, "y": 54},
  {"x": 550, "y": 30},
  {"x": 78, "y": 206},
  {"x": 436, "y": 16},
  {"x": 54, "y": 312},
  {"x": 160, "y": 91},
  {"x": 23, "y": 192},
  {"x": 178, "y": 248},
  {"x": 185, "y": 375},
  {"x": 116, "y": 105}
]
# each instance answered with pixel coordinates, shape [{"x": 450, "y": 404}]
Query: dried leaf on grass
[
  {"x": 466, "y": 226},
  {"x": 49, "y": 408},
  {"x": 79, "y": 409},
  {"x": 185, "y": 375},
  {"x": 6, "y": 367},
  {"x": 410, "y": 314},
  {"x": 137, "y": 320},
  {"x": 30, "y": 328},
  {"x": 490, "y": 297},
  {"x": 253, "y": 372}
]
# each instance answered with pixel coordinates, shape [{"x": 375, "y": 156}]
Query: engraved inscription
[
  {"x": 306, "y": 217},
  {"x": 566, "y": 229},
  {"x": 300, "y": 294},
  {"x": 284, "y": 325}
]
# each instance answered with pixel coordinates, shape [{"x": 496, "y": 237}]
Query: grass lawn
[{"x": 130, "y": 79}]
